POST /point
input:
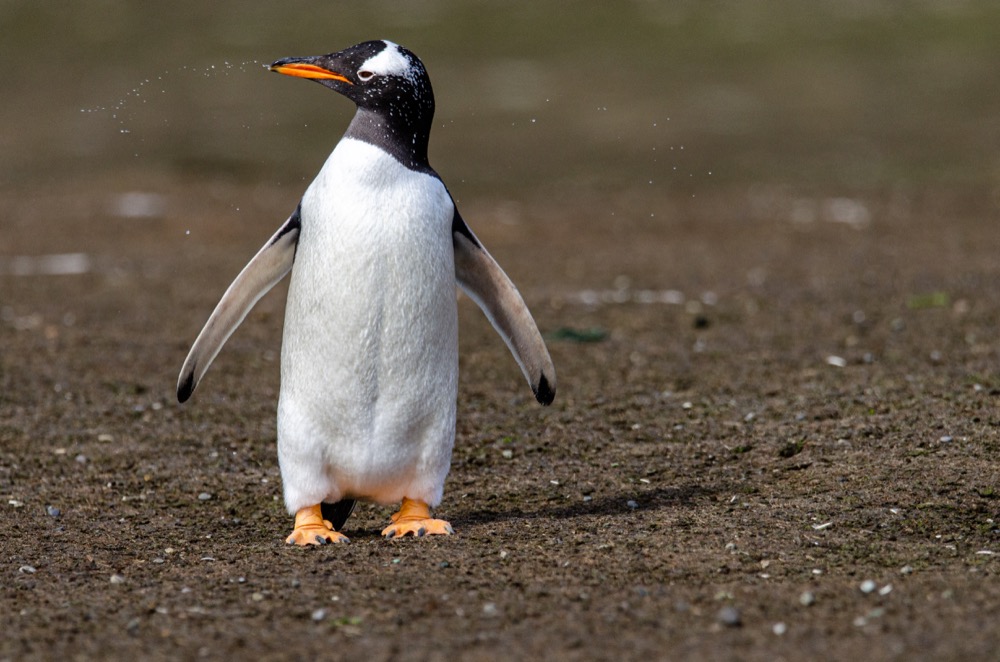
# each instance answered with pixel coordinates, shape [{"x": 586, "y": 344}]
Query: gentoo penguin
[{"x": 369, "y": 355}]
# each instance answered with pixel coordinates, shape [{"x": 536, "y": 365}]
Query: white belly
[{"x": 369, "y": 357}]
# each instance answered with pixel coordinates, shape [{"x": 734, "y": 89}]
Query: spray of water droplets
[{"x": 122, "y": 111}]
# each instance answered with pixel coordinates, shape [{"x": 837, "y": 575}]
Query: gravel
[{"x": 730, "y": 617}]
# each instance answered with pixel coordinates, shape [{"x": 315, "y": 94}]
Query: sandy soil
[{"x": 776, "y": 437}]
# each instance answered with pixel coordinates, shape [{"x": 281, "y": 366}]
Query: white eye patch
[{"x": 390, "y": 62}]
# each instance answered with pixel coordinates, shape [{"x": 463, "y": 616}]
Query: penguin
[{"x": 375, "y": 249}]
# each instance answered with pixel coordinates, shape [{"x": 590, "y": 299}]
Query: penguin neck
[{"x": 402, "y": 138}]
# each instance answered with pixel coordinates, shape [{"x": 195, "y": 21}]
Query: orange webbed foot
[
  {"x": 312, "y": 529},
  {"x": 414, "y": 517}
]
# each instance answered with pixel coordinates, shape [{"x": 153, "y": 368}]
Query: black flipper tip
[
  {"x": 544, "y": 393},
  {"x": 185, "y": 388}
]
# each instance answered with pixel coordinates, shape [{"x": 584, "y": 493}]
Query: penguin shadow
[{"x": 622, "y": 503}]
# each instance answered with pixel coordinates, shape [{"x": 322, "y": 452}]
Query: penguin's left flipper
[
  {"x": 482, "y": 279},
  {"x": 263, "y": 272}
]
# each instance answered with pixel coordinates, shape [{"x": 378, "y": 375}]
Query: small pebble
[
  {"x": 906, "y": 570},
  {"x": 730, "y": 617},
  {"x": 257, "y": 596},
  {"x": 105, "y": 438},
  {"x": 885, "y": 590},
  {"x": 117, "y": 579},
  {"x": 836, "y": 361},
  {"x": 867, "y": 586},
  {"x": 807, "y": 599},
  {"x": 587, "y": 498},
  {"x": 27, "y": 569},
  {"x": 53, "y": 511},
  {"x": 318, "y": 615},
  {"x": 81, "y": 459},
  {"x": 490, "y": 609},
  {"x": 507, "y": 453},
  {"x": 779, "y": 629},
  {"x": 204, "y": 496},
  {"x": 632, "y": 504}
]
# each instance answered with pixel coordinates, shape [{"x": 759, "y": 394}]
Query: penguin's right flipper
[{"x": 263, "y": 272}]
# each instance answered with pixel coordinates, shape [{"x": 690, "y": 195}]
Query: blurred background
[
  {"x": 147, "y": 137},
  {"x": 633, "y": 100}
]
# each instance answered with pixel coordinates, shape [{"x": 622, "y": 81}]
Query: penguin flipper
[
  {"x": 482, "y": 279},
  {"x": 263, "y": 272}
]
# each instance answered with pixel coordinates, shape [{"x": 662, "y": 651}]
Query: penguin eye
[{"x": 365, "y": 76}]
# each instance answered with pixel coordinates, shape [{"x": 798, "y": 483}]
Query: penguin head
[{"x": 379, "y": 76}]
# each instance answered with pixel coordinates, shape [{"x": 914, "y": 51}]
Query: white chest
[
  {"x": 375, "y": 218},
  {"x": 371, "y": 313}
]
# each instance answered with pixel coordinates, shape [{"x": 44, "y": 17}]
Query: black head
[{"x": 391, "y": 88}]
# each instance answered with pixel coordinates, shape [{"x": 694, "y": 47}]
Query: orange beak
[{"x": 303, "y": 70}]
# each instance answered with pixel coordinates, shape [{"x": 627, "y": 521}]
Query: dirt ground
[{"x": 775, "y": 437}]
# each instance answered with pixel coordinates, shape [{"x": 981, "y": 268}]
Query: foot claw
[
  {"x": 312, "y": 529},
  {"x": 414, "y": 518}
]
